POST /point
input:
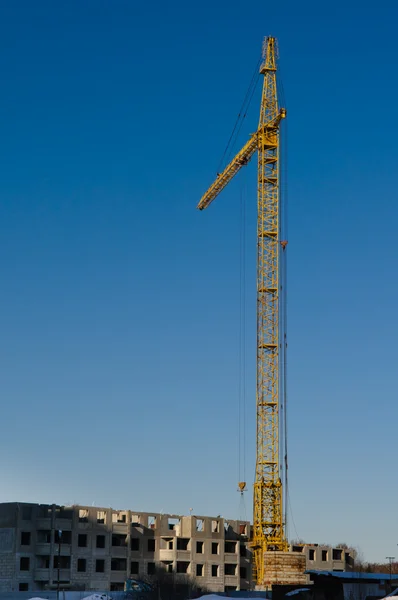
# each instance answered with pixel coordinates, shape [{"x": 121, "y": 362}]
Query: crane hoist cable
[
  {"x": 292, "y": 517},
  {"x": 284, "y": 236},
  {"x": 242, "y": 338},
  {"x": 240, "y": 118},
  {"x": 229, "y": 149},
  {"x": 242, "y": 513}
]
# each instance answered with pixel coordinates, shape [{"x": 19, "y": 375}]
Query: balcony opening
[
  {"x": 25, "y": 538},
  {"x": 168, "y": 566},
  {"x": 116, "y": 586},
  {"x": 134, "y": 544},
  {"x": 61, "y": 562},
  {"x": 230, "y": 547},
  {"x": 81, "y": 565},
  {"x": 134, "y": 568},
  {"x": 43, "y": 562},
  {"x": 45, "y": 511},
  {"x": 182, "y": 543},
  {"x": 230, "y": 569},
  {"x": 66, "y": 537},
  {"x": 82, "y": 540},
  {"x": 118, "y": 564},
  {"x": 100, "y": 565},
  {"x": 199, "y": 547},
  {"x": 214, "y": 570},
  {"x": 119, "y": 540},
  {"x": 182, "y": 566},
  {"x": 199, "y": 570},
  {"x": 63, "y": 513},
  {"x": 44, "y": 536}
]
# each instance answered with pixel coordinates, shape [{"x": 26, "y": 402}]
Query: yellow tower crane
[{"x": 268, "y": 522}]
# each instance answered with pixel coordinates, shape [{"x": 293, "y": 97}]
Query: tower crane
[{"x": 268, "y": 521}]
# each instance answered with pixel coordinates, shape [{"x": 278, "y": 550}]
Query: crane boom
[
  {"x": 240, "y": 160},
  {"x": 268, "y": 525}
]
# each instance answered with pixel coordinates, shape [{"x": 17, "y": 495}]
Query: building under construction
[{"x": 46, "y": 547}]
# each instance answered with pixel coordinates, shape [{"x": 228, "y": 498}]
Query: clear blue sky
[{"x": 119, "y": 301}]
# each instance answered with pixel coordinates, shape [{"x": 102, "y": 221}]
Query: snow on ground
[{"x": 98, "y": 597}]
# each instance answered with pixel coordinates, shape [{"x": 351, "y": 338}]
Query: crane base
[{"x": 283, "y": 568}]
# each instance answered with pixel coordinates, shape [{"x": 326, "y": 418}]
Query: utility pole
[
  {"x": 59, "y": 559},
  {"x": 390, "y": 559}
]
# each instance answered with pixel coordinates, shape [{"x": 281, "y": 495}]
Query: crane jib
[{"x": 239, "y": 161}]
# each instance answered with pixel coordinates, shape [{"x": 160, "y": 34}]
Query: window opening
[
  {"x": 81, "y": 565},
  {"x": 83, "y": 515},
  {"x": 100, "y": 565},
  {"x": 25, "y": 538}
]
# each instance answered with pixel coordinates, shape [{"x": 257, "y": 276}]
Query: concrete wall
[{"x": 325, "y": 558}]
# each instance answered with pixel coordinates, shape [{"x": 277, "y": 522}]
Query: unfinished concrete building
[
  {"x": 91, "y": 548},
  {"x": 326, "y": 558}
]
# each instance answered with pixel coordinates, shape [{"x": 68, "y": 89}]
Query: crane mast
[{"x": 268, "y": 525}]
